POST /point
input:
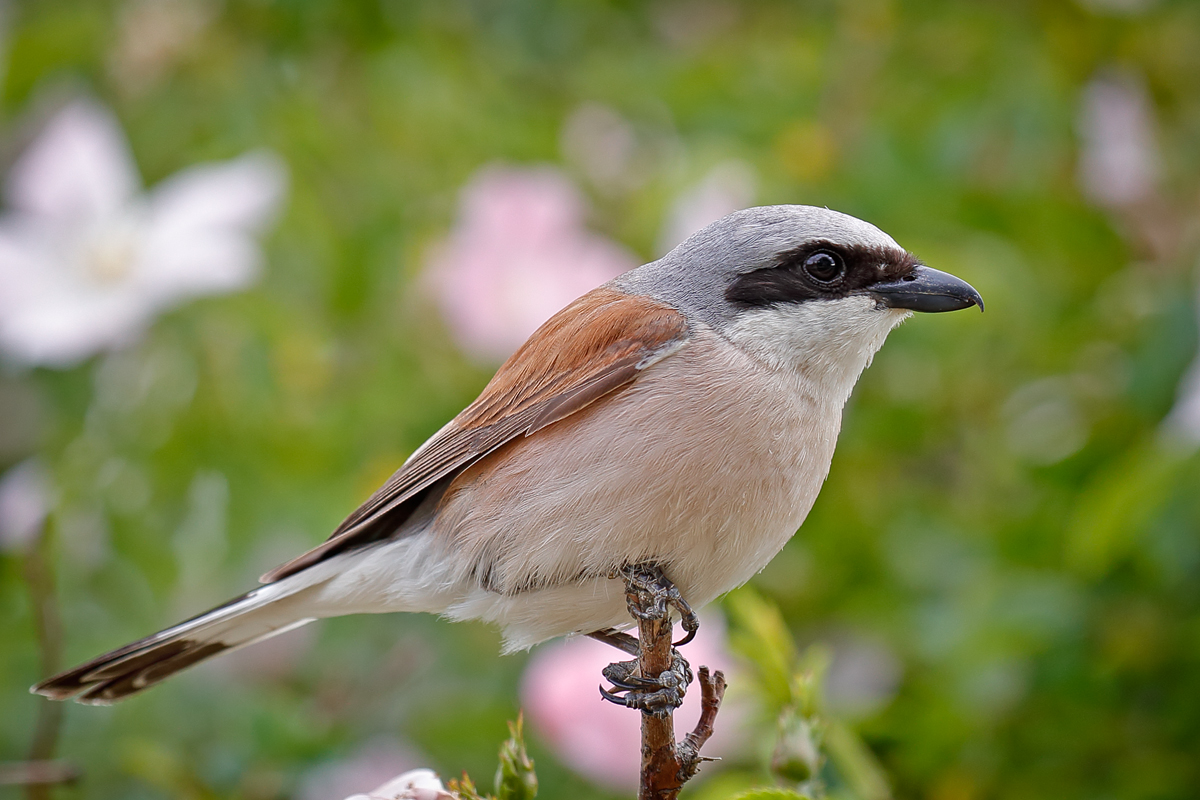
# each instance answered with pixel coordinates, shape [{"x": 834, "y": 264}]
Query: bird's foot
[
  {"x": 658, "y": 696},
  {"x": 650, "y": 594}
]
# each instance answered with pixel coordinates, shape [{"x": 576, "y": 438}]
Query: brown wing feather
[{"x": 590, "y": 349}]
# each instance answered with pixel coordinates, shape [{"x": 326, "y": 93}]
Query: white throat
[{"x": 827, "y": 343}]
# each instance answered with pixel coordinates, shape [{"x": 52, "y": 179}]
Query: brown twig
[
  {"x": 39, "y": 577},
  {"x": 665, "y": 766},
  {"x": 37, "y": 773},
  {"x": 712, "y": 692}
]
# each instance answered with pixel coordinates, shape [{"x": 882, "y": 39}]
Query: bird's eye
[{"x": 824, "y": 266}]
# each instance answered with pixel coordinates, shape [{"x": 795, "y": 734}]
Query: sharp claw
[
  {"x": 612, "y": 698},
  {"x": 632, "y": 684},
  {"x": 687, "y": 637}
]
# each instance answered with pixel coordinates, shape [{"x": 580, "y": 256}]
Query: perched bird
[{"x": 683, "y": 415}]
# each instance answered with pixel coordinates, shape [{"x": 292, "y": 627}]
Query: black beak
[{"x": 929, "y": 290}]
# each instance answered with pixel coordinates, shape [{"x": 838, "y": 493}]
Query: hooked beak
[{"x": 929, "y": 290}]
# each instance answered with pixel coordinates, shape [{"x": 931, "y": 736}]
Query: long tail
[{"x": 267, "y": 611}]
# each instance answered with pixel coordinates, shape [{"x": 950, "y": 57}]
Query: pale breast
[{"x": 706, "y": 465}]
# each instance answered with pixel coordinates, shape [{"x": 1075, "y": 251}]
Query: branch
[
  {"x": 40, "y": 771},
  {"x": 665, "y": 766},
  {"x": 712, "y": 692},
  {"x": 660, "y": 764}
]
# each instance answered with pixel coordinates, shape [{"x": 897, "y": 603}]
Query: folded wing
[{"x": 592, "y": 348}]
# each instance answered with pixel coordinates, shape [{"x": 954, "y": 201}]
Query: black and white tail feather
[{"x": 264, "y": 612}]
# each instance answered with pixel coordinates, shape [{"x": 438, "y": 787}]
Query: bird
[{"x": 682, "y": 415}]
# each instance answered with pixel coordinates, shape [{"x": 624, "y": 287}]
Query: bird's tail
[{"x": 256, "y": 615}]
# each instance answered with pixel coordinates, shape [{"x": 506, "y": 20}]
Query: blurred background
[{"x": 227, "y": 232}]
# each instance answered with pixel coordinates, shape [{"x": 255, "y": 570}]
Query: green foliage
[
  {"x": 789, "y": 688},
  {"x": 770, "y": 794},
  {"x": 515, "y": 777}
]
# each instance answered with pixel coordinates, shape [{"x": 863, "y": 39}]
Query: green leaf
[
  {"x": 1118, "y": 504},
  {"x": 770, "y": 793},
  {"x": 855, "y": 761},
  {"x": 759, "y": 634},
  {"x": 515, "y": 777}
]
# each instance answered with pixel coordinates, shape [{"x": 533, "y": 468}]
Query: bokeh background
[{"x": 1005, "y": 561}]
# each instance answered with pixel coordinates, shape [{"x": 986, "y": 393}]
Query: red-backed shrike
[{"x": 682, "y": 415}]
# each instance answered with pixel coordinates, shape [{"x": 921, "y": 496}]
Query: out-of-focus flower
[
  {"x": 418, "y": 784},
  {"x": 24, "y": 504},
  {"x": 1123, "y": 8},
  {"x": 1045, "y": 422},
  {"x": 602, "y": 144},
  {"x": 728, "y": 187},
  {"x": 518, "y": 253},
  {"x": 694, "y": 24},
  {"x": 375, "y": 764},
  {"x": 86, "y": 261},
  {"x": 863, "y": 677},
  {"x": 151, "y": 36},
  {"x": 1182, "y": 425},
  {"x": 602, "y": 741},
  {"x": 1118, "y": 160}
]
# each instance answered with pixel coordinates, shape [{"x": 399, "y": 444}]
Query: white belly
[{"x": 708, "y": 478}]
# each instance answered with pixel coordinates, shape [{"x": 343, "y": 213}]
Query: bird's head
[{"x": 800, "y": 288}]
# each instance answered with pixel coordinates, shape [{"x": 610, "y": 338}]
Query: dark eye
[{"x": 824, "y": 266}]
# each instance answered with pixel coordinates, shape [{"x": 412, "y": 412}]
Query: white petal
[
  {"x": 25, "y": 500},
  {"x": 78, "y": 168},
  {"x": 242, "y": 194},
  {"x": 33, "y": 255},
  {"x": 174, "y": 268},
  {"x": 417, "y": 784},
  {"x": 60, "y": 331}
]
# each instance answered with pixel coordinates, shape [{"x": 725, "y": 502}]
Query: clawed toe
[
  {"x": 690, "y": 622},
  {"x": 659, "y": 696},
  {"x": 651, "y": 593}
]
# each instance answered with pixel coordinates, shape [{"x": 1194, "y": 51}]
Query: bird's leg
[
  {"x": 622, "y": 641},
  {"x": 649, "y": 582},
  {"x": 651, "y": 596}
]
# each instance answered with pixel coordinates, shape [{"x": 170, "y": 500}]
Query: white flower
[
  {"x": 24, "y": 504},
  {"x": 87, "y": 262},
  {"x": 1182, "y": 424},
  {"x": 417, "y": 784}
]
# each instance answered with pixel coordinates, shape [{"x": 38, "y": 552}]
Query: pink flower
[
  {"x": 518, "y": 253},
  {"x": 1119, "y": 158},
  {"x": 728, "y": 187},
  {"x": 87, "y": 262},
  {"x": 602, "y": 741}
]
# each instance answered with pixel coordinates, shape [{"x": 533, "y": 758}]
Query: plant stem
[{"x": 39, "y": 577}]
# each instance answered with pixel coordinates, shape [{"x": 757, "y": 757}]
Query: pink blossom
[
  {"x": 602, "y": 741},
  {"x": 603, "y": 145},
  {"x": 518, "y": 253},
  {"x": 87, "y": 262},
  {"x": 1118, "y": 159},
  {"x": 727, "y": 187}
]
